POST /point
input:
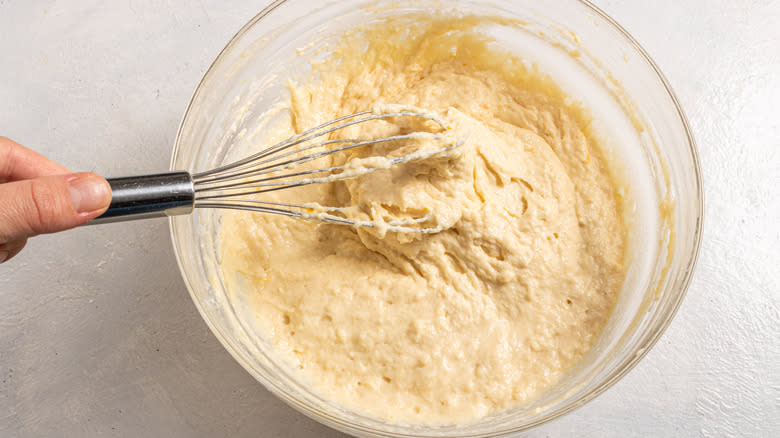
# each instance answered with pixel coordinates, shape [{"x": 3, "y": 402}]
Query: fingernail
[{"x": 89, "y": 192}]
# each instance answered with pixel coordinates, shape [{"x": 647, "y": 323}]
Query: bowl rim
[{"x": 620, "y": 371}]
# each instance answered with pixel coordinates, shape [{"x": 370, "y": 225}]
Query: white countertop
[{"x": 98, "y": 336}]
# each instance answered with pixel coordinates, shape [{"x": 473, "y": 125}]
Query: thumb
[{"x": 50, "y": 204}]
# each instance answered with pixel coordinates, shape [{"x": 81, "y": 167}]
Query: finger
[
  {"x": 10, "y": 249},
  {"x": 50, "y": 204},
  {"x": 17, "y": 162}
]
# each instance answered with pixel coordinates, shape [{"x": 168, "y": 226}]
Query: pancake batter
[{"x": 447, "y": 327}]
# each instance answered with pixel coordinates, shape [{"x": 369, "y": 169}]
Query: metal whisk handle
[{"x": 148, "y": 196}]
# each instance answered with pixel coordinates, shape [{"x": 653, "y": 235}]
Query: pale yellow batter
[{"x": 480, "y": 317}]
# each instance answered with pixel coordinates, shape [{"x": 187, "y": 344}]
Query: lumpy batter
[{"x": 451, "y": 326}]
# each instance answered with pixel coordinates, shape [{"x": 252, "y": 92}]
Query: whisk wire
[
  {"x": 228, "y": 186},
  {"x": 260, "y": 154},
  {"x": 264, "y": 170},
  {"x": 312, "y": 133}
]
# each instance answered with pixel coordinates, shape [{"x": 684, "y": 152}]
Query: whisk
[{"x": 235, "y": 185}]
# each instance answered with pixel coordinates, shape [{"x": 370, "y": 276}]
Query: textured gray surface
[{"x": 98, "y": 336}]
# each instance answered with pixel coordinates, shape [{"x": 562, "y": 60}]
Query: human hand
[{"x": 39, "y": 196}]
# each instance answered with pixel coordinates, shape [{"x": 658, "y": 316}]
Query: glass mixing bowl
[{"x": 591, "y": 57}]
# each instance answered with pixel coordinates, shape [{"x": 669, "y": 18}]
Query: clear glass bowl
[{"x": 592, "y": 58}]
